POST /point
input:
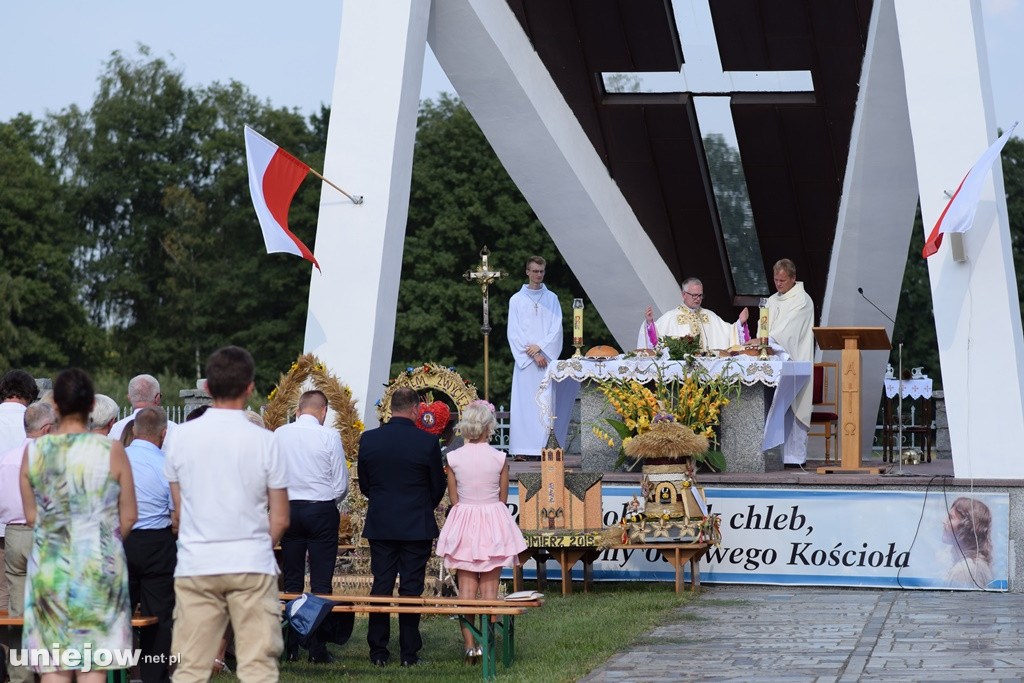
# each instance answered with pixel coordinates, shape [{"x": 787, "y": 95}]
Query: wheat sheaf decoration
[
  {"x": 667, "y": 440},
  {"x": 284, "y": 401}
]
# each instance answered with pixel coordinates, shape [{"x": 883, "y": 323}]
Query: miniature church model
[{"x": 556, "y": 501}]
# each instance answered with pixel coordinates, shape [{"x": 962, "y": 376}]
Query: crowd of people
[
  {"x": 101, "y": 517},
  {"x": 106, "y": 518}
]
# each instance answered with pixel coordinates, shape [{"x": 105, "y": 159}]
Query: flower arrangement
[
  {"x": 679, "y": 348},
  {"x": 695, "y": 402}
]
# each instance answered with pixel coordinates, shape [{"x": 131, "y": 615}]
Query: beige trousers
[
  {"x": 203, "y": 606},
  {"x": 17, "y": 548}
]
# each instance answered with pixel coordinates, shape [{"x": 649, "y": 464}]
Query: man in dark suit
[{"x": 401, "y": 476}]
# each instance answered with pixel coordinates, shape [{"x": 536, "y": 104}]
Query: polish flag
[
  {"x": 274, "y": 176},
  {"x": 958, "y": 216}
]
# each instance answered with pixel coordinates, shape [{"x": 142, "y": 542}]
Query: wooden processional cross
[{"x": 486, "y": 277}]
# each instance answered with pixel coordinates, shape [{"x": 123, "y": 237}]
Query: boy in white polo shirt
[{"x": 224, "y": 472}]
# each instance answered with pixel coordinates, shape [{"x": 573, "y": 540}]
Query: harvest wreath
[{"x": 284, "y": 401}]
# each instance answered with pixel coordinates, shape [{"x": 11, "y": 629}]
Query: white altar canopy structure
[{"x": 923, "y": 116}]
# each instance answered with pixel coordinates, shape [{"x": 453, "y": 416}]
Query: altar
[{"x": 752, "y": 427}]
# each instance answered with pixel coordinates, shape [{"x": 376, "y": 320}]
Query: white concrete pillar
[
  {"x": 977, "y": 314},
  {"x": 351, "y": 319}
]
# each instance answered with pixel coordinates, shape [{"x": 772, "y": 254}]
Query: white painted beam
[
  {"x": 977, "y": 314},
  {"x": 351, "y": 320}
]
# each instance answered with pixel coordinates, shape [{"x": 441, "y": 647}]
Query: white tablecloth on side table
[{"x": 912, "y": 388}]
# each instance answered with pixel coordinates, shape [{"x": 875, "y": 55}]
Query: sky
[{"x": 52, "y": 53}]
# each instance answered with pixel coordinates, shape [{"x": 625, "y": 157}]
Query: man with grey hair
[
  {"x": 143, "y": 392},
  {"x": 103, "y": 415},
  {"x": 693, "y": 319},
  {"x": 40, "y": 418}
]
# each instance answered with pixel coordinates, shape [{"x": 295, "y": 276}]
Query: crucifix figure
[{"x": 486, "y": 277}]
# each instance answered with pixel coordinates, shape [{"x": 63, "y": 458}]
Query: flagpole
[{"x": 356, "y": 199}]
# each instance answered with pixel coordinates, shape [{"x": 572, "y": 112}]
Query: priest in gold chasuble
[{"x": 692, "y": 319}]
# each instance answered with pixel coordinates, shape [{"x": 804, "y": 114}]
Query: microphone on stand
[
  {"x": 860, "y": 290},
  {"x": 899, "y": 438}
]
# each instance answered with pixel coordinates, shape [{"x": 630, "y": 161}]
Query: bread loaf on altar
[{"x": 749, "y": 349}]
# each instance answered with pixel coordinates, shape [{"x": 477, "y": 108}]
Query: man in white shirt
[
  {"x": 790, "y": 323},
  {"x": 535, "y": 336},
  {"x": 17, "y": 390},
  {"x": 224, "y": 473},
  {"x": 317, "y": 483},
  {"x": 40, "y": 418},
  {"x": 143, "y": 392},
  {"x": 692, "y": 319}
]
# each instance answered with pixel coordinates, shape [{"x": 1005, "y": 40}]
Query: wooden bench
[
  {"x": 676, "y": 554},
  {"x": 113, "y": 675},
  {"x": 500, "y": 618}
]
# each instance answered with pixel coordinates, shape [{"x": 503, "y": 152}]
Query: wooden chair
[{"x": 825, "y": 408}]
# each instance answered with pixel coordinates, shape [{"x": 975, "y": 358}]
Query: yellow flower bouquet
[{"x": 695, "y": 401}]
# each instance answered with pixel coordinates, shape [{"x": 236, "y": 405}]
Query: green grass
[{"x": 560, "y": 641}]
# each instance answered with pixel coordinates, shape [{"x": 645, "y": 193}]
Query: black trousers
[
  {"x": 152, "y": 556},
  {"x": 313, "y": 529},
  {"x": 408, "y": 559}
]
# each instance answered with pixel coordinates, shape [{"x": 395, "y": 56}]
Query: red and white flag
[
  {"x": 958, "y": 216},
  {"x": 274, "y": 177}
]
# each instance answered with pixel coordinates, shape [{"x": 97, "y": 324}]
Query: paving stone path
[{"x": 743, "y": 633}]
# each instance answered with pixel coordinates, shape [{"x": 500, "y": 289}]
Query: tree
[
  {"x": 122, "y": 156},
  {"x": 462, "y": 199},
  {"x": 175, "y": 266},
  {"x": 43, "y": 324},
  {"x": 915, "y": 318}
]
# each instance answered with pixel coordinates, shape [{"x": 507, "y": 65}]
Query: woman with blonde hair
[{"x": 480, "y": 536}]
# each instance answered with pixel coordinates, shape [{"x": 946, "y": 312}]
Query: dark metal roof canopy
[{"x": 794, "y": 149}]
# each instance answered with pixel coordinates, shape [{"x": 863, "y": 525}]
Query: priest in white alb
[
  {"x": 790, "y": 323},
  {"x": 535, "y": 336},
  {"x": 692, "y": 319}
]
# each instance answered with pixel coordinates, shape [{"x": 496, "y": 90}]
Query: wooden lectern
[{"x": 851, "y": 341}]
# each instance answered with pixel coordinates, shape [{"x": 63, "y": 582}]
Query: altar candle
[
  {"x": 762, "y": 319},
  {"x": 577, "y": 322}
]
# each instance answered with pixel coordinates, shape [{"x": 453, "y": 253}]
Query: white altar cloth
[{"x": 565, "y": 376}]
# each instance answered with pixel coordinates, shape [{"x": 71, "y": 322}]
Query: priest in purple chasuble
[
  {"x": 694, "y": 320},
  {"x": 535, "y": 336}
]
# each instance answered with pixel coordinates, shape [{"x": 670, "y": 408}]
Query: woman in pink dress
[{"x": 480, "y": 536}]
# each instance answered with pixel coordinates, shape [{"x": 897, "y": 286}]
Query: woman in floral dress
[{"x": 78, "y": 493}]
